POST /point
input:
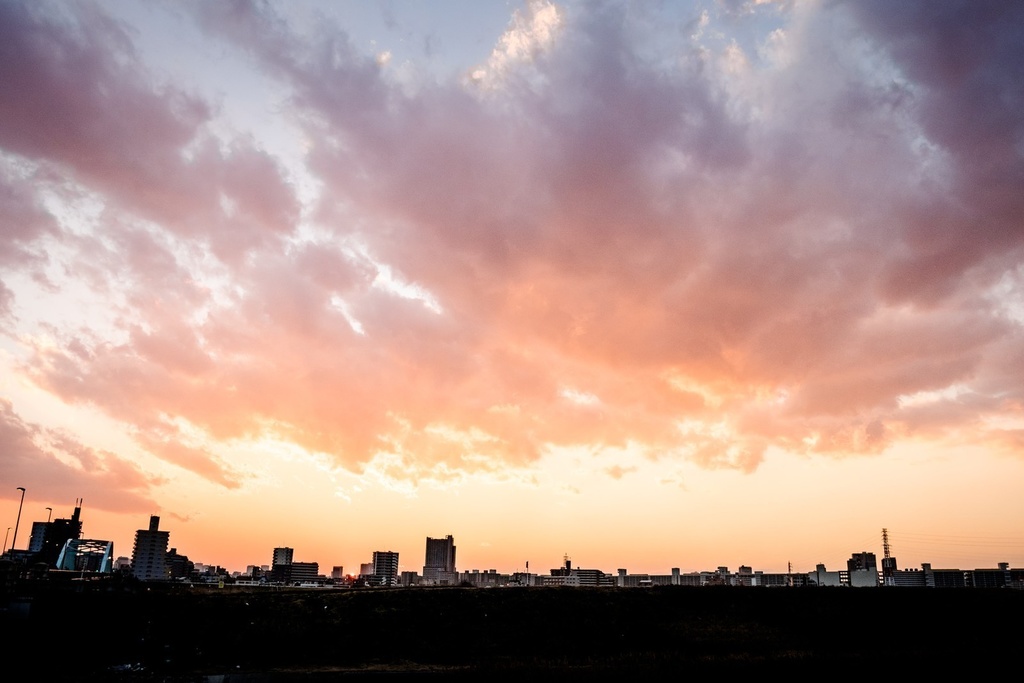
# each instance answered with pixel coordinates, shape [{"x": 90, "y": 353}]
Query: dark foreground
[{"x": 231, "y": 635}]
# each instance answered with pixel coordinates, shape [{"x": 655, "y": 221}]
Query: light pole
[
  {"x": 14, "y": 541},
  {"x": 5, "y": 538},
  {"x": 49, "y": 511}
]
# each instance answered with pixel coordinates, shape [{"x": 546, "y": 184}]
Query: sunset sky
[{"x": 651, "y": 284}]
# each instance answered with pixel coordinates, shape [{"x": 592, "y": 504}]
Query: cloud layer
[{"x": 795, "y": 225}]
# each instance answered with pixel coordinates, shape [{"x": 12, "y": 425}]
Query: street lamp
[
  {"x": 49, "y": 511},
  {"x": 5, "y": 538},
  {"x": 14, "y": 541}
]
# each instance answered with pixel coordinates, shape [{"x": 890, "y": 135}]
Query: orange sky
[{"x": 686, "y": 285}]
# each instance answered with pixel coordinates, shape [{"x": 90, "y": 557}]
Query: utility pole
[{"x": 14, "y": 541}]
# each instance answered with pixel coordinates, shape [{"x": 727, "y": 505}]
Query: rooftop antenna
[{"x": 885, "y": 543}]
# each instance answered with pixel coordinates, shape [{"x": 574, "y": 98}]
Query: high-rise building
[
  {"x": 282, "y": 556},
  {"x": 149, "y": 554},
  {"x": 862, "y": 560},
  {"x": 441, "y": 553},
  {"x": 56, "y": 534},
  {"x": 35, "y": 541},
  {"x": 862, "y": 570},
  {"x": 439, "y": 565},
  {"x": 385, "y": 568}
]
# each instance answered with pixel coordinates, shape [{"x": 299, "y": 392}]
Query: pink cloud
[
  {"x": 22, "y": 221},
  {"x": 29, "y": 458},
  {"x": 76, "y": 98},
  {"x": 623, "y": 249},
  {"x": 618, "y": 472}
]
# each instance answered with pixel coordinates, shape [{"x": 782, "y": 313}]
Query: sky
[{"x": 651, "y": 285}]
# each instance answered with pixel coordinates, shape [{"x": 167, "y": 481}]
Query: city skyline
[
  {"x": 152, "y": 559},
  {"x": 440, "y": 555},
  {"x": 689, "y": 283}
]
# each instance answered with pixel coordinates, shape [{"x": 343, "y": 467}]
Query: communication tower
[{"x": 888, "y": 561}]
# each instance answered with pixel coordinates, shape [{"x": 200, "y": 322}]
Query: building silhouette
[
  {"x": 861, "y": 560},
  {"x": 149, "y": 554},
  {"x": 295, "y": 573},
  {"x": 862, "y": 570},
  {"x": 567, "y": 575},
  {"x": 286, "y": 570},
  {"x": 35, "y": 541},
  {"x": 385, "y": 568},
  {"x": 304, "y": 572},
  {"x": 179, "y": 566},
  {"x": 439, "y": 564},
  {"x": 282, "y": 556},
  {"x": 55, "y": 536}
]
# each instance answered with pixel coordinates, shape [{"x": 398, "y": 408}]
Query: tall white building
[
  {"x": 385, "y": 568},
  {"x": 149, "y": 554}
]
